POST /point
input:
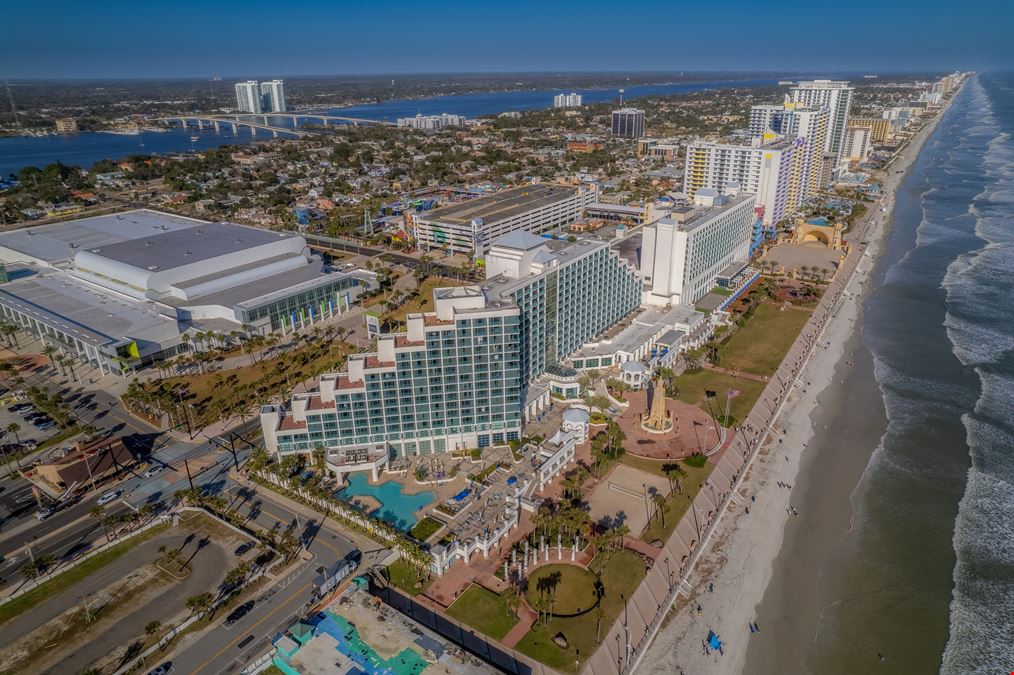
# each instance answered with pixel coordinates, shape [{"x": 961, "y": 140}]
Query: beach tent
[{"x": 713, "y": 641}]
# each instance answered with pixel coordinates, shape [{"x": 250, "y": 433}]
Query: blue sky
[{"x": 165, "y": 38}]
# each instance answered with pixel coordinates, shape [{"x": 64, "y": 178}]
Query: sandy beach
[{"x": 763, "y": 566}]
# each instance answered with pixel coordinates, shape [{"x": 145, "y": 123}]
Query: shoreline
[{"x": 751, "y": 565}]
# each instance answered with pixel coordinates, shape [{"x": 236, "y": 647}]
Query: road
[
  {"x": 276, "y": 607},
  {"x": 72, "y": 530}
]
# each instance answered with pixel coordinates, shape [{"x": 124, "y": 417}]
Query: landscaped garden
[
  {"x": 202, "y": 398},
  {"x": 621, "y": 572},
  {"x": 564, "y": 589},
  {"x": 419, "y": 300},
  {"x": 425, "y": 528},
  {"x": 484, "y": 611}
]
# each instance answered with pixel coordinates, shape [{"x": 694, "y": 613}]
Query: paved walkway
[
  {"x": 641, "y": 547},
  {"x": 736, "y": 373},
  {"x": 526, "y": 619}
]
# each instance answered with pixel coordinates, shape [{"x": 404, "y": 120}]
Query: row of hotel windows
[{"x": 411, "y": 445}]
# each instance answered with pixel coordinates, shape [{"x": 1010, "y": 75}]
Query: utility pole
[{"x": 189, "y": 477}]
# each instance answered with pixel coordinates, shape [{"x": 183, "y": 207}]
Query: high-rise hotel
[
  {"x": 567, "y": 293},
  {"x": 451, "y": 381},
  {"x": 470, "y": 373}
]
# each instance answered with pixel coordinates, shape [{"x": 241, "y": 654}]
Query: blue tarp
[
  {"x": 713, "y": 640},
  {"x": 512, "y": 480},
  {"x": 461, "y": 495}
]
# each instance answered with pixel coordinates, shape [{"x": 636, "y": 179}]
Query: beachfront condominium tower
[
  {"x": 451, "y": 381},
  {"x": 769, "y": 171},
  {"x": 572, "y": 100},
  {"x": 567, "y": 292},
  {"x": 273, "y": 96},
  {"x": 837, "y": 97},
  {"x": 781, "y": 166},
  {"x": 628, "y": 123},
  {"x": 683, "y": 253},
  {"x": 248, "y": 97}
]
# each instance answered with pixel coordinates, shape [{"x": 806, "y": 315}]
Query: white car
[
  {"x": 42, "y": 514},
  {"x": 108, "y": 497},
  {"x": 154, "y": 471}
]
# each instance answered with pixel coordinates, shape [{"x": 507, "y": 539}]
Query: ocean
[
  {"x": 924, "y": 580},
  {"x": 86, "y": 148}
]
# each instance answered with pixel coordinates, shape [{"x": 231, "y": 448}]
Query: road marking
[{"x": 236, "y": 641}]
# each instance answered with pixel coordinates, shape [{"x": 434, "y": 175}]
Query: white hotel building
[{"x": 683, "y": 253}]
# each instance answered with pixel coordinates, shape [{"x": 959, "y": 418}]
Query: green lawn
[
  {"x": 761, "y": 344},
  {"x": 405, "y": 577},
  {"x": 572, "y": 588},
  {"x": 65, "y": 580},
  {"x": 621, "y": 573},
  {"x": 677, "y": 504},
  {"x": 693, "y": 385},
  {"x": 425, "y": 528},
  {"x": 484, "y": 611}
]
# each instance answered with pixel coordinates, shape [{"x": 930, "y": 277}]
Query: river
[{"x": 85, "y": 148}]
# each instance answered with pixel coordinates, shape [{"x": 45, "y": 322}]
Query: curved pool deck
[{"x": 396, "y": 507}]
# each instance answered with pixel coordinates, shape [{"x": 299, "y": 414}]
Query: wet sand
[
  {"x": 763, "y": 566},
  {"x": 848, "y": 427}
]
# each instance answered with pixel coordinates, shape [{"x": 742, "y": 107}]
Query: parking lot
[{"x": 26, "y": 431}]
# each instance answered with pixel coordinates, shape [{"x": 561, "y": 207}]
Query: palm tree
[
  {"x": 49, "y": 350},
  {"x": 659, "y": 500},
  {"x": 152, "y": 627},
  {"x": 198, "y": 604},
  {"x": 319, "y": 457},
  {"x": 99, "y": 514},
  {"x": 11, "y": 331},
  {"x": 235, "y": 576},
  {"x": 14, "y": 428}
]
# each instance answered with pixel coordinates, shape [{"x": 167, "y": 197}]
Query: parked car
[
  {"x": 43, "y": 426},
  {"x": 163, "y": 669},
  {"x": 108, "y": 497},
  {"x": 239, "y": 613},
  {"x": 19, "y": 407},
  {"x": 43, "y": 513},
  {"x": 243, "y": 548}
]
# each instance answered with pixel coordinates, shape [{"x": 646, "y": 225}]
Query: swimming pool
[{"x": 396, "y": 507}]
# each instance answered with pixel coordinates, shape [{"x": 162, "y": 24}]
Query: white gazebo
[{"x": 635, "y": 374}]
